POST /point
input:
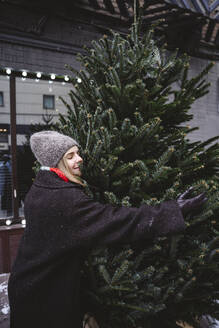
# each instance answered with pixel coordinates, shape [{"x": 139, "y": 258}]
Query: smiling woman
[
  {"x": 71, "y": 165},
  {"x": 62, "y": 225},
  {"x": 73, "y": 160}
]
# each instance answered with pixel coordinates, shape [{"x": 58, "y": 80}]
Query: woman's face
[{"x": 73, "y": 160}]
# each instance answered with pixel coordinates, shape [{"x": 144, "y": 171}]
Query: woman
[{"x": 62, "y": 224}]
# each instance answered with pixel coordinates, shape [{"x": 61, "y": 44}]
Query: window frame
[
  {"x": 44, "y": 100},
  {"x": 3, "y": 103}
]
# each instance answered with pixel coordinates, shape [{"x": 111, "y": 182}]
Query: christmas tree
[{"x": 129, "y": 111}]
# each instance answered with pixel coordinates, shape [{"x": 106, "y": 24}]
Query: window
[
  {"x": 3, "y": 144},
  {"x": 3, "y": 137},
  {"x": 48, "y": 102},
  {"x": 1, "y": 98}
]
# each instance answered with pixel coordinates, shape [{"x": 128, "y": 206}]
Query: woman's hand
[{"x": 89, "y": 321}]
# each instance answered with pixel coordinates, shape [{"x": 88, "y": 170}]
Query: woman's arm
[{"x": 94, "y": 223}]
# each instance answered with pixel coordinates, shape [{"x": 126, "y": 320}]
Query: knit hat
[{"x": 50, "y": 146}]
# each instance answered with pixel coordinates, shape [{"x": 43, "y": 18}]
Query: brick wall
[{"x": 35, "y": 59}]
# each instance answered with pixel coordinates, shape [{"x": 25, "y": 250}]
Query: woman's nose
[{"x": 80, "y": 159}]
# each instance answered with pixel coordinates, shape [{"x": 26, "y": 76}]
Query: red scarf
[{"x": 59, "y": 173}]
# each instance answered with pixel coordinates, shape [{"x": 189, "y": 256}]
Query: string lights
[
  {"x": 11, "y": 221},
  {"x": 36, "y": 75}
]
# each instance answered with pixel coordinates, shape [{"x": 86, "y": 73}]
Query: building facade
[{"x": 45, "y": 38}]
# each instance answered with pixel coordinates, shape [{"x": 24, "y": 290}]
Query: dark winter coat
[{"x": 63, "y": 223}]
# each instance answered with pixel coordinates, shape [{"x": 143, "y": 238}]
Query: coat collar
[{"x": 50, "y": 180}]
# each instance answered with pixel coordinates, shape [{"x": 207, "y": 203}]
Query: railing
[{"x": 9, "y": 242}]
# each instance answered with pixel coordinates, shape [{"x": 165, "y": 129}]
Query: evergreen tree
[{"x": 130, "y": 117}]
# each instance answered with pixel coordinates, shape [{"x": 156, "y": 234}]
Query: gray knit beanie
[{"x": 49, "y": 146}]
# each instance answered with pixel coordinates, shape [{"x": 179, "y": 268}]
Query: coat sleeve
[{"x": 98, "y": 224}]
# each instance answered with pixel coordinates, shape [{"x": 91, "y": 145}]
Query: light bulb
[
  {"x": 8, "y": 222},
  {"x": 8, "y": 71},
  {"x": 66, "y": 78},
  {"x": 23, "y": 222},
  {"x": 79, "y": 80},
  {"x": 24, "y": 73},
  {"x": 53, "y": 76},
  {"x": 38, "y": 75}
]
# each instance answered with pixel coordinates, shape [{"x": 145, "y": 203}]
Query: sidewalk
[{"x": 4, "y": 307}]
